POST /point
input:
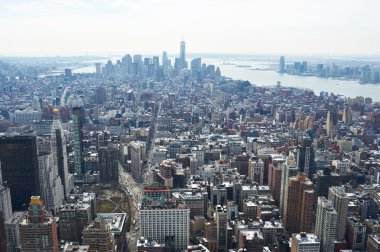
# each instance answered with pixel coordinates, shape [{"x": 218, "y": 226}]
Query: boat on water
[{"x": 243, "y": 66}]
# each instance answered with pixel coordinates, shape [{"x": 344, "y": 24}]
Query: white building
[
  {"x": 26, "y": 116},
  {"x": 304, "y": 242},
  {"x": 342, "y": 166},
  {"x": 59, "y": 155},
  {"x": 51, "y": 187},
  {"x": 340, "y": 200},
  {"x": 325, "y": 226},
  {"x": 160, "y": 219}
]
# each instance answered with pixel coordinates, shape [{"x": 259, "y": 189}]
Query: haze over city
[{"x": 79, "y": 27}]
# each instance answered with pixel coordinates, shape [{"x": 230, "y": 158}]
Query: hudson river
[{"x": 348, "y": 88}]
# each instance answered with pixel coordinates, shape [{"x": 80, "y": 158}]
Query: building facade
[{"x": 38, "y": 230}]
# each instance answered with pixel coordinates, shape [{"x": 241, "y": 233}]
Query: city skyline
[{"x": 242, "y": 27}]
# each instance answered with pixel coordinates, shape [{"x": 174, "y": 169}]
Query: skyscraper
[
  {"x": 163, "y": 219},
  {"x": 51, "y": 188},
  {"x": 19, "y": 161},
  {"x": 5, "y": 200},
  {"x": 98, "y": 67},
  {"x": 347, "y": 115},
  {"x": 325, "y": 226},
  {"x": 196, "y": 66},
  {"x": 289, "y": 169},
  {"x": 331, "y": 123},
  {"x": 326, "y": 179},
  {"x": 182, "y": 54},
  {"x": 138, "y": 155},
  {"x": 340, "y": 201},
  {"x": 78, "y": 120},
  {"x": 73, "y": 218},
  {"x": 58, "y": 151},
  {"x": 299, "y": 215},
  {"x": 165, "y": 60},
  {"x": 38, "y": 231},
  {"x": 12, "y": 228},
  {"x": 306, "y": 157},
  {"x": 281, "y": 68},
  {"x": 221, "y": 221},
  {"x": 108, "y": 164}
]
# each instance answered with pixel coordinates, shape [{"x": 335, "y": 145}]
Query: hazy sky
[{"x": 61, "y": 27}]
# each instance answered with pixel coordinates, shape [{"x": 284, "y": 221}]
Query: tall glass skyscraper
[
  {"x": 182, "y": 54},
  {"x": 281, "y": 68},
  {"x": 19, "y": 167}
]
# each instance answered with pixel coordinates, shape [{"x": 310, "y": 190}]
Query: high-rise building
[
  {"x": 78, "y": 120},
  {"x": 196, "y": 66},
  {"x": 108, "y": 164},
  {"x": 118, "y": 226},
  {"x": 281, "y": 68},
  {"x": 38, "y": 230},
  {"x": 127, "y": 64},
  {"x": 5, "y": 200},
  {"x": 304, "y": 242},
  {"x": 163, "y": 219},
  {"x": 19, "y": 160},
  {"x": 182, "y": 55},
  {"x": 98, "y": 67},
  {"x": 299, "y": 215},
  {"x": 59, "y": 154},
  {"x": 340, "y": 200},
  {"x": 51, "y": 188},
  {"x": 100, "y": 95},
  {"x": 138, "y": 156},
  {"x": 347, "y": 115},
  {"x": 331, "y": 123},
  {"x": 221, "y": 221},
  {"x": 305, "y": 157},
  {"x": 13, "y": 231},
  {"x": 356, "y": 234},
  {"x": 325, "y": 226},
  {"x": 289, "y": 169},
  {"x": 196, "y": 203},
  {"x": 165, "y": 60},
  {"x": 326, "y": 179},
  {"x": 73, "y": 218},
  {"x": 99, "y": 237}
]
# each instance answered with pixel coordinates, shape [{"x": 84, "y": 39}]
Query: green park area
[{"x": 105, "y": 206}]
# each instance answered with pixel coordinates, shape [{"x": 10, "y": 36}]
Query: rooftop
[{"x": 114, "y": 220}]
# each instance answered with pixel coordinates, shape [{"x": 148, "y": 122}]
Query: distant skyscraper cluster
[
  {"x": 365, "y": 74},
  {"x": 138, "y": 68}
]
